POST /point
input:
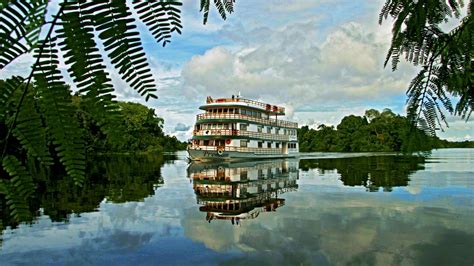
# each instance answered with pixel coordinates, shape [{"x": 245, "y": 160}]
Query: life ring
[
  {"x": 220, "y": 152},
  {"x": 227, "y": 141}
]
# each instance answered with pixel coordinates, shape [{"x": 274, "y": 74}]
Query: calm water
[{"x": 325, "y": 209}]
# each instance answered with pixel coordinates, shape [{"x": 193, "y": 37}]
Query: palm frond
[
  {"x": 54, "y": 98},
  {"x": 20, "y": 25},
  {"x": 30, "y": 132},
  {"x": 113, "y": 21},
  {"x": 161, "y": 17},
  {"x": 87, "y": 68},
  {"x": 18, "y": 189},
  {"x": 222, "y": 6},
  {"x": 7, "y": 88}
]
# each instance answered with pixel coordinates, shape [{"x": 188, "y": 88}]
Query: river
[{"x": 323, "y": 209}]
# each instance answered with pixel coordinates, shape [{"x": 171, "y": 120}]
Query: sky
[{"x": 322, "y": 60}]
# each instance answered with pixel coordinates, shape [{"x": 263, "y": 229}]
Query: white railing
[
  {"x": 269, "y": 121},
  {"x": 267, "y": 107},
  {"x": 250, "y": 134}
]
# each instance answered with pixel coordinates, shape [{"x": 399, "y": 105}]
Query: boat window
[
  {"x": 259, "y": 115},
  {"x": 243, "y": 127},
  {"x": 243, "y": 174},
  {"x": 243, "y": 143},
  {"x": 237, "y": 110},
  {"x": 259, "y": 128},
  {"x": 219, "y": 126},
  {"x": 206, "y": 142},
  {"x": 277, "y": 145},
  {"x": 260, "y": 144},
  {"x": 269, "y": 144},
  {"x": 226, "y": 126},
  {"x": 277, "y": 130},
  {"x": 213, "y": 126},
  {"x": 231, "y": 110},
  {"x": 225, "y": 110},
  {"x": 269, "y": 130}
]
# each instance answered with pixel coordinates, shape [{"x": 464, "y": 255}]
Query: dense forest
[
  {"x": 375, "y": 131},
  {"x": 141, "y": 130}
]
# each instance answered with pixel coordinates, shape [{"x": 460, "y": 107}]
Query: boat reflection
[{"x": 242, "y": 190}]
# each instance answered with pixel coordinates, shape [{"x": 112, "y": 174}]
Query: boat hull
[{"x": 213, "y": 155}]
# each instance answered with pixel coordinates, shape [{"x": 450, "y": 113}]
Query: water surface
[{"x": 325, "y": 209}]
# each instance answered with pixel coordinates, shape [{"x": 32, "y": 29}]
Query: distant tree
[{"x": 371, "y": 114}]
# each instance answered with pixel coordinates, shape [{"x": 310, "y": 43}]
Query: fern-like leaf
[
  {"x": 29, "y": 130},
  {"x": 161, "y": 17},
  {"x": 7, "y": 88},
  {"x": 20, "y": 25},
  {"x": 229, "y": 5},
  {"x": 87, "y": 68},
  {"x": 122, "y": 43},
  {"x": 56, "y": 105},
  {"x": 18, "y": 189},
  {"x": 222, "y": 6}
]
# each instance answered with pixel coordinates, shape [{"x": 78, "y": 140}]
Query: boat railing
[
  {"x": 239, "y": 149},
  {"x": 242, "y": 133},
  {"x": 265, "y": 106},
  {"x": 269, "y": 121}
]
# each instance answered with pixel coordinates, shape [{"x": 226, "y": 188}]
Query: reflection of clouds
[{"x": 338, "y": 228}]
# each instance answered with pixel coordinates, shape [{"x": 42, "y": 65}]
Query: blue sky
[{"x": 322, "y": 60}]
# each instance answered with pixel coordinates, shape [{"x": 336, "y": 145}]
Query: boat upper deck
[{"x": 238, "y": 101}]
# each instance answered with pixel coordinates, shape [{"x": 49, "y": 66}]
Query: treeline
[
  {"x": 137, "y": 127},
  {"x": 141, "y": 131},
  {"x": 375, "y": 131}
]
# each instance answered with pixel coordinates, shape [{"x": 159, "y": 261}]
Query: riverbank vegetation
[{"x": 375, "y": 132}]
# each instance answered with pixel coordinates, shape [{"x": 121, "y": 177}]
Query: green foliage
[
  {"x": 445, "y": 57},
  {"x": 377, "y": 131},
  {"x": 162, "y": 18},
  {"x": 223, "y": 7},
  {"x": 141, "y": 130},
  {"x": 17, "y": 189},
  {"x": 56, "y": 106},
  {"x": 20, "y": 25},
  {"x": 36, "y": 118}
]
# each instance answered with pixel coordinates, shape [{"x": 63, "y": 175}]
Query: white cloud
[{"x": 289, "y": 65}]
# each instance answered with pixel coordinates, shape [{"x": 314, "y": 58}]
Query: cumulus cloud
[{"x": 291, "y": 65}]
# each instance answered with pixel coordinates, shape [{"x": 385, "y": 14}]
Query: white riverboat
[{"x": 238, "y": 128}]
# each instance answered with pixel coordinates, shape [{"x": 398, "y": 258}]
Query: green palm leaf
[
  {"x": 122, "y": 43},
  {"x": 18, "y": 189},
  {"x": 56, "y": 105},
  {"x": 87, "y": 68},
  {"x": 161, "y": 17},
  {"x": 29, "y": 130},
  {"x": 222, "y": 6},
  {"x": 20, "y": 25}
]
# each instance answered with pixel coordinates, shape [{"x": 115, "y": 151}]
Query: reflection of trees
[
  {"x": 242, "y": 190},
  {"x": 115, "y": 178},
  {"x": 371, "y": 172}
]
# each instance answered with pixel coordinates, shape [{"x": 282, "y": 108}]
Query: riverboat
[{"x": 238, "y": 128}]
